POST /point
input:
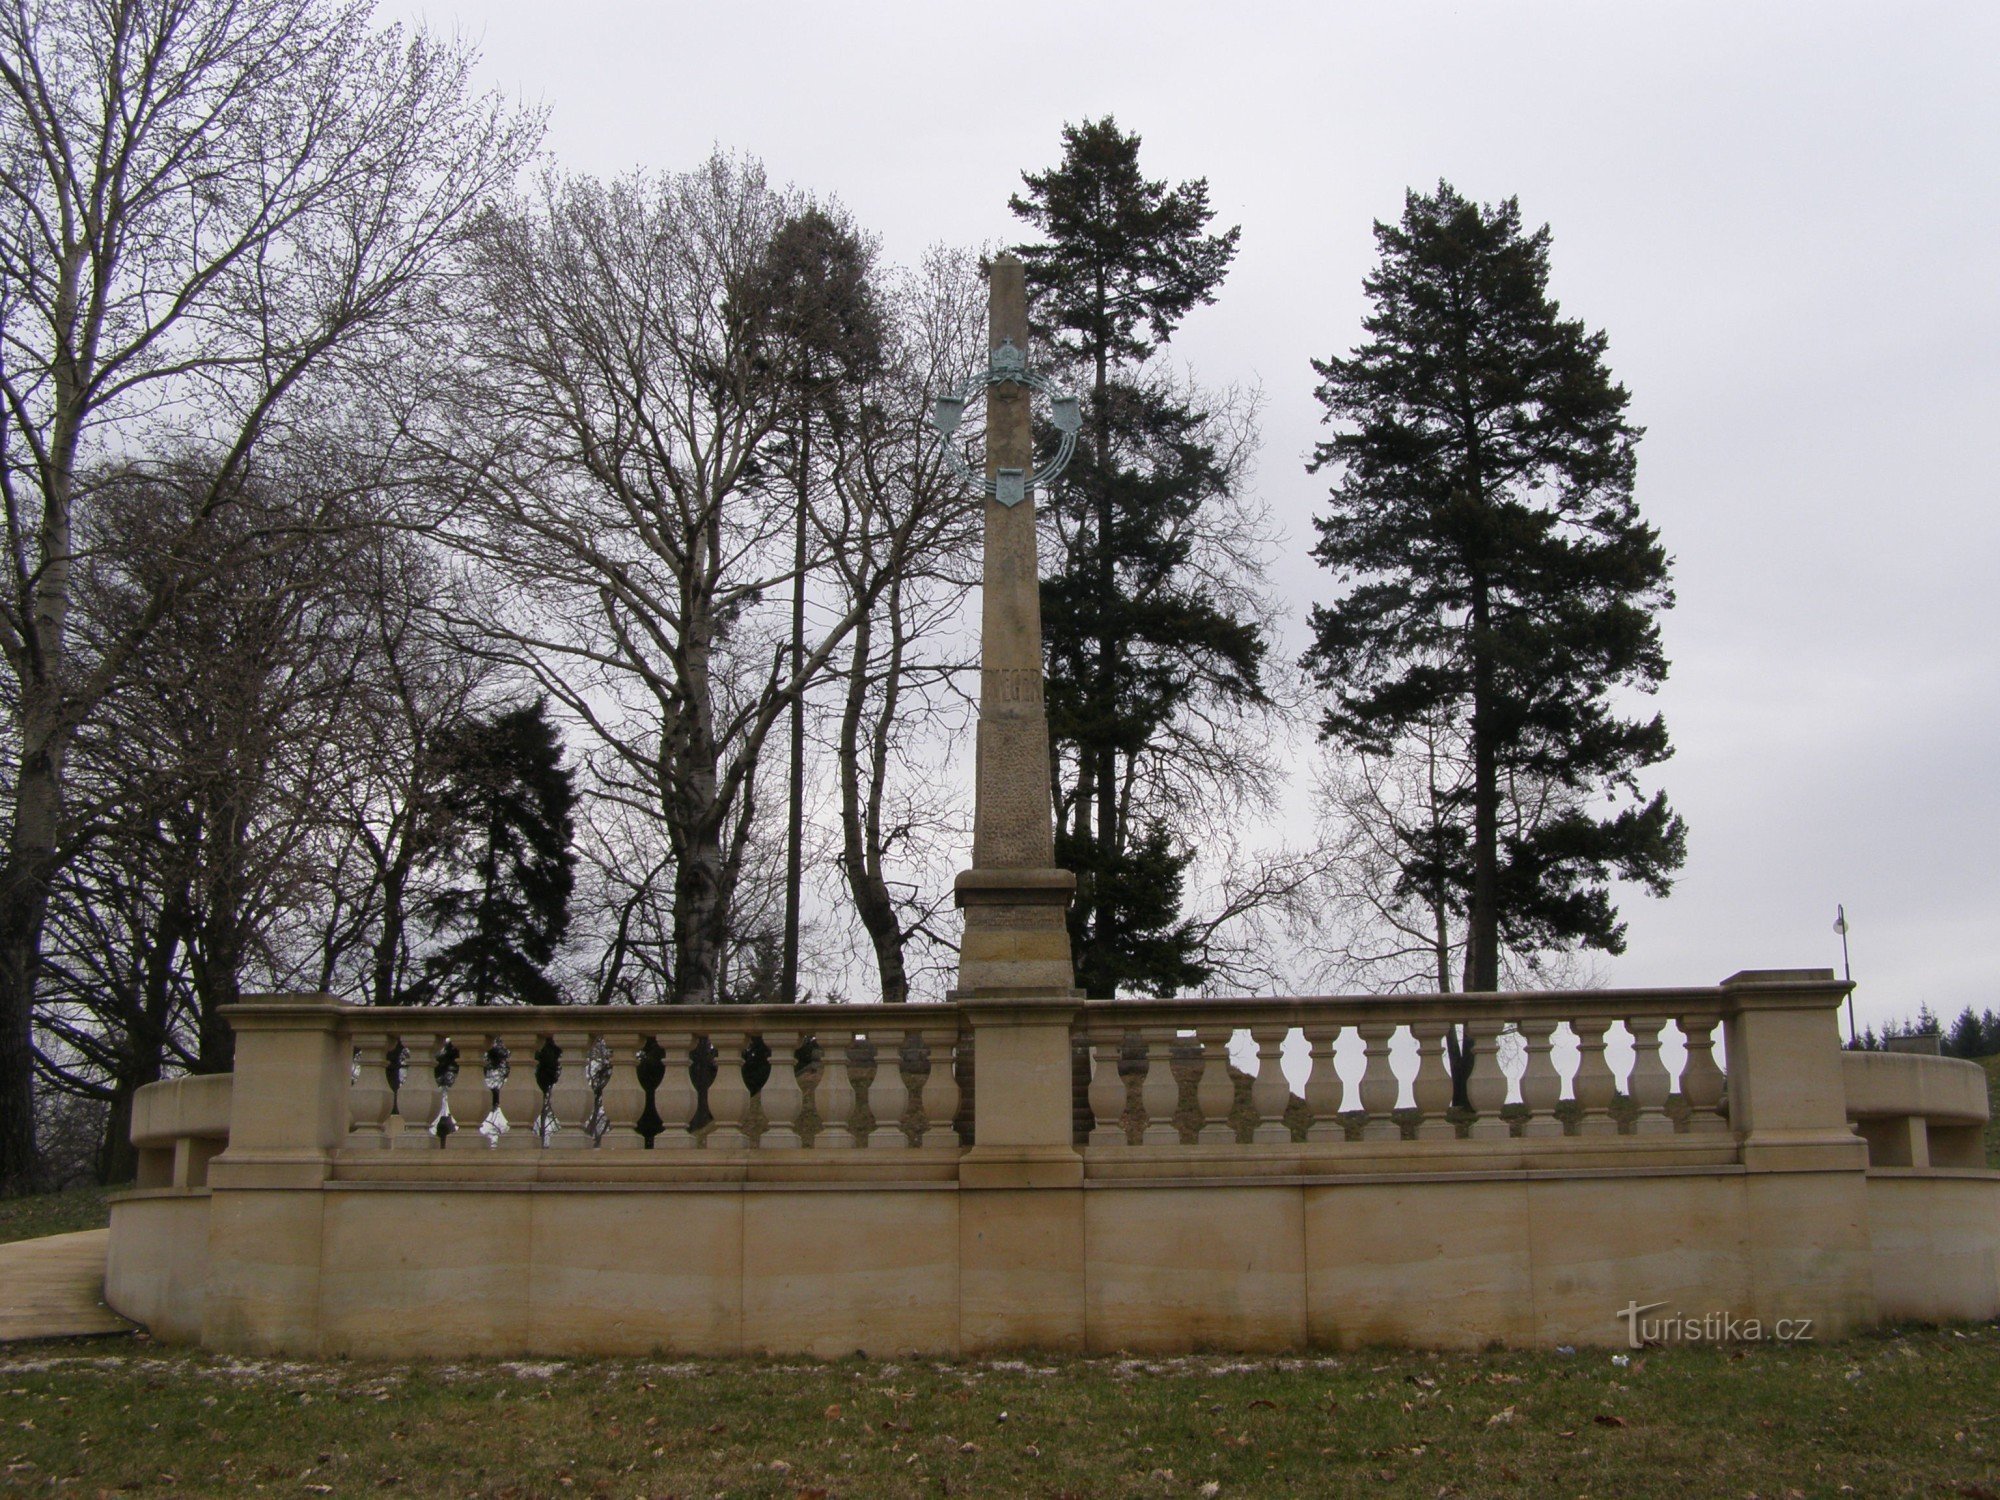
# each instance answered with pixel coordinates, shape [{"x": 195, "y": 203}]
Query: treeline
[
  {"x": 1974, "y": 1035},
  {"x": 438, "y": 577}
]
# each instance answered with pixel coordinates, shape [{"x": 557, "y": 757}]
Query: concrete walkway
[{"x": 53, "y": 1287}]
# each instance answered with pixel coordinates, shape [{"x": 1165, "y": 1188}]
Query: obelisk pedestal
[{"x": 1016, "y": 901}]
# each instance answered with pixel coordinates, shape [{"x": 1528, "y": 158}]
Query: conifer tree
[
  {"x": 511, "y": 797},
  {"x": 1496, "y": 577},
  {"x": 1135, "y": 633}
]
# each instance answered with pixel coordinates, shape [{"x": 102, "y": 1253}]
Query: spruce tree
[
  {"x": 1496, "y": 578},
  {"x": 1135, "y": 634},
  {"x": 510, "y": 798}
]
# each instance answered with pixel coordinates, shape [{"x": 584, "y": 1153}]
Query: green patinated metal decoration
[{"x": 1009, "y": 366}]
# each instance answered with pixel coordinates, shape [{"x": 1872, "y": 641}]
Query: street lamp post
[{"x": 1847, "y": 971}]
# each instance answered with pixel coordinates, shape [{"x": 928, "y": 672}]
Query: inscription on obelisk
[{"x": 1015, "y": 900}]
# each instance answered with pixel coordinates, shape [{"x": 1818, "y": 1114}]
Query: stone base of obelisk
[
  {"x": 1017, "y": 992},
  {"x": 1016, "y": 938}
]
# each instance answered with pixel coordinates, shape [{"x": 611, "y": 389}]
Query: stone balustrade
[
  {"x": 719, "y": 1079},
  {"x": 1918, "y": 1111},
  {"x": 1366, "y": 1071},
  {"x": 1253, "y": 1174},
  {"x": 178, "y": 1128}
]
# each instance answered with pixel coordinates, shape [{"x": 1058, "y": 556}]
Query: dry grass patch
[{"x": 1905, "y": 1414}]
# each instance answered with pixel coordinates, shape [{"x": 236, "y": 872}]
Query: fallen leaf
[
  {"x": 1605, "y": 1419},
  {"x": 1260, "y": 1401},
  {"x": 1505, "y": 1414},
  {"x": 833, "y": 1412}
]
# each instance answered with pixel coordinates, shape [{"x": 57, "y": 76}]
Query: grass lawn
[
  {"x": 1908, "y": 1414},
  {"x": 53, "y": 1213}
]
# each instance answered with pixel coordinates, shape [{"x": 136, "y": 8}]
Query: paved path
[{"x": 53, "y": 1287}]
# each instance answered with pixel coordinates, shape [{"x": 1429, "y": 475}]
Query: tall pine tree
[
  {"x": 510, "y": 799},
  {"x": 1496, "y": 579},
  {"x": 1136, "y": 634}
]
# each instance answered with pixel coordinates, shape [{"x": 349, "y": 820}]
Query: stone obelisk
[{"x": 1016, "y": 901}]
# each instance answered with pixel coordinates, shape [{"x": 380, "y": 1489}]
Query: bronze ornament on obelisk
[{"x": 1016, "y": 901}]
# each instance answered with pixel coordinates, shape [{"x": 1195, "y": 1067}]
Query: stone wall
[{"x": 836, "y": 1205}]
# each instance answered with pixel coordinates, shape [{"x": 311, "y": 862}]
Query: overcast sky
[{"x": 1785, "y": 217}]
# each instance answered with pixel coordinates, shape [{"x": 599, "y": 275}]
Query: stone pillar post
[
  {"x": 288, "y": 1112},
  {"x": 1805, "y": 1180}
]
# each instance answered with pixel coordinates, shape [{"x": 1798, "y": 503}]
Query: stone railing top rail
[
  {"x": 1758, "y": 988},
  {"x": 1887, "y": 1084},
  {"x": 1761, "y": 989},
  {"x": 445, "y": 1018},
  {"x": 197, "y": 1105}
]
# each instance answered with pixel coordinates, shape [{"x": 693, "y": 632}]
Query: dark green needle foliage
[
  {"x": 510, "y": 799},
  {"x": 1136, "y": 633},
  {"x": 1495, "y": 577}
]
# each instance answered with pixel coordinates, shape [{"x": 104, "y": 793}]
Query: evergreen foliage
[
  {"x": 1496, "y": 581},
  {"x": 1136, "y": 634},
  {"x": 510, "y": 797}
]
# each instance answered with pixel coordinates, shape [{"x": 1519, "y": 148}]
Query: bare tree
[
  {"x": 636, "y": 509},
  {"x": 385, "y": 822},
  {"x": 1390, "y": 904},
  {"x": 207, "y": 211},
  {"x": 913, "y": 547},
  {"x": 197, "y": 787}
]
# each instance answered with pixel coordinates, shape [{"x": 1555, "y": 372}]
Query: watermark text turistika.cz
[{"x": 1707, "y": 1328}]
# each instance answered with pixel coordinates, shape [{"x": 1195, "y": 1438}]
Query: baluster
[
  {"x": 397, "y": 1060},
  {"x": 1701, "y": 1080},
  {"x": 833, "y": 1097},
  {"x": 520, "y": 1092},
  {"x": 623, "y": 1099},
  {"x": 1378, "y": 1083},
  {"x": 1270, "y": 1094},
  {"x": 939, "y": 1096},
  {"x": 1651, "y": 1082},
  {"x": 1215, "y": 1092},
  {"x": 1432, "y": 1087},
  {"x": 417, "y": 1098},
  {"x": 863, "y": 1063},
  {"x": 369, "y": 1096},
  {"x": 1323, "y": 1085},
  {"x": 473, "y": 1102},
  {"x": 1596, "y": 1085},
  {"x": 888, "y": 1094},
  {"x": 570, "y": 1099},
  {"x": 675, "y": 1096},
  {"x": 1541, "y": 1084},
  {"x": 457, "y": 1072},
  {"x": 1107, "y": 1089},
  {"x": 1160, "y": 1092},
  {"x": 1486, "y": 1085},
  {"x": 781, "y": 1096},
  {"x": 728, "y": 1096}
]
